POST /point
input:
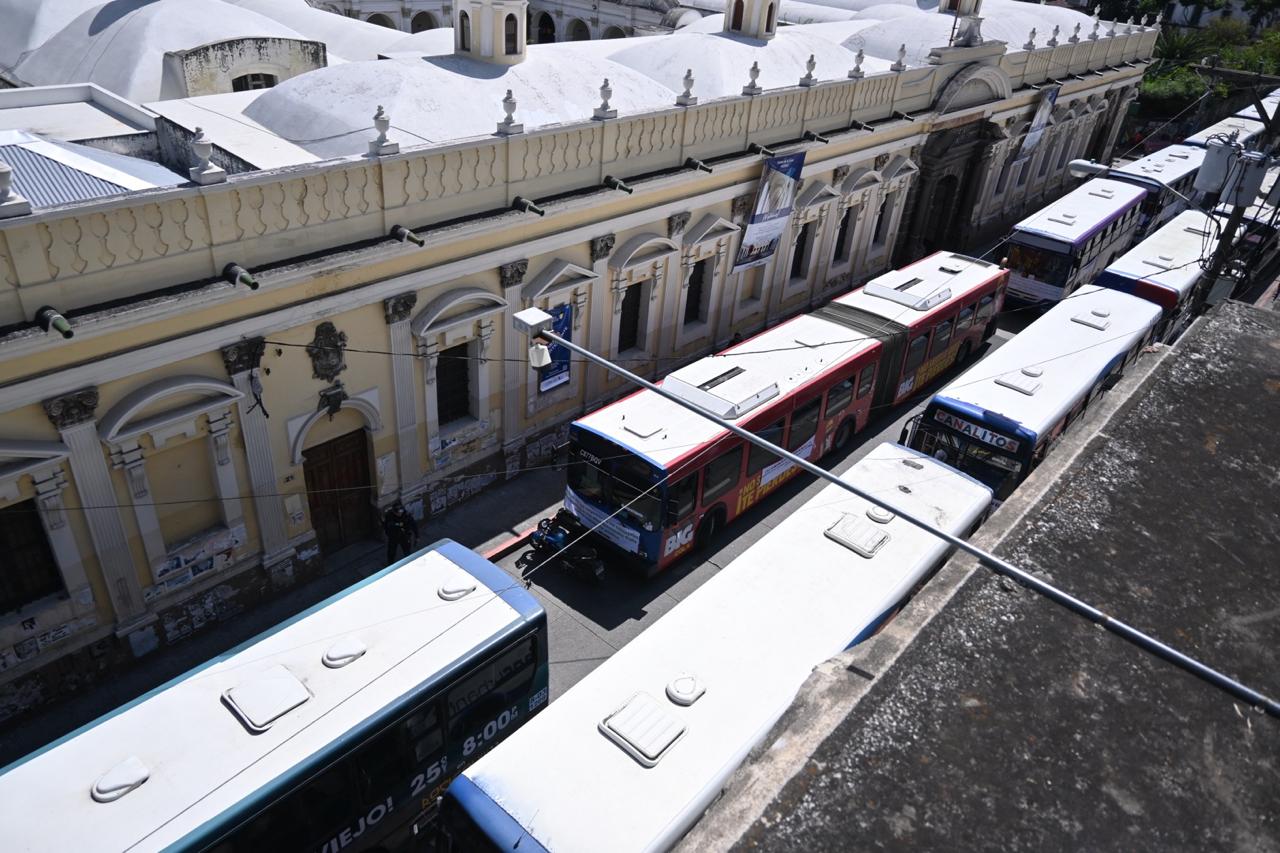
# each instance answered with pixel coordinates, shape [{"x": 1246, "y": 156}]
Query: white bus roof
[
  {"x": 1244, "y": 128},
  {"x": 1067, "y": 346},
  {"x": 1271, "y": 101},
  {"x": 1168, "y": 165},
  {"x": 907, "y": 294},
  {"x": 750, "y": 636},
  {"x": 1262, "y": 211},
  {"x": 202, "y": 759},
  {"x": 1171, "y": 255},
  {"x": 1075, "y": 216},
  {"x": 763, "y": 368}
]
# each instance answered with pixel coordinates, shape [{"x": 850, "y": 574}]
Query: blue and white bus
[
  {"x": 1065, "y": 245},
  {"x": 998, "y": 419},
  {"x": 337, "y": 730},
  {"x": 1168, "y": 176},
  {"x": 1246, "y": 131},
  {"x": 631, "y": 756},
  {"x": 1167, "y": 268}
]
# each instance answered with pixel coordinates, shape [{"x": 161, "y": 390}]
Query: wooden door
[{"x": 339, "y": 490}]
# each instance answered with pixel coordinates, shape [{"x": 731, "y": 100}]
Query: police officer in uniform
[{"x": 401, "y": 530}]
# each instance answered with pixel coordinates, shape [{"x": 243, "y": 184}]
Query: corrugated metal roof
[{"x": 46, "y": 182}]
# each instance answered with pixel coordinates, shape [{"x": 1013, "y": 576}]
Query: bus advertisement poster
[
  {"x": 556, "y": 373},
  {"x": 775, "y": 196},
  {"x": 1048, "y": 97}
]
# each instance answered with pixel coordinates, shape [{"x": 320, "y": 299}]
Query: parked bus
[
  {"x": 631, "y": 756},
  {"x": 1167, "y": 268},
  {"x": 655, "y": 480},
  {"x": 336, "y": 730},
  {"x": 1247, "y": 131},
  {"x": 998, "y": 419},
  {"x": 1062, "y": 246},
  {"x": 930, "y": 315},
  {"x": 1169, "y": 177}
]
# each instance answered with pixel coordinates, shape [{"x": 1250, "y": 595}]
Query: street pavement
[{"x": 587, "y": 622}]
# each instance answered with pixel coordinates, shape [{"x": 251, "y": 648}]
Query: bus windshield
[
  {"x": 1040, "y": 264},
  {"x": 616, "y": 480},
  {"x": 998, "y": 470}
]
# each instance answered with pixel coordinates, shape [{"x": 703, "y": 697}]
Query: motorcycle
[{"x": 554, "y": 540}]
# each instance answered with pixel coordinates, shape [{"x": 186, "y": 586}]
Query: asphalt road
[{"x": 588, "y": 622}]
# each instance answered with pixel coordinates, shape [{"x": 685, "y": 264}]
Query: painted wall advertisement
[
  {"x": 775, "y": 198},
  {"x": 556, "y": 373},
  {"x": 1048, "y": 97}
]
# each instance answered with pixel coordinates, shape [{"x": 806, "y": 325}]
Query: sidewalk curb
[{"x": 502, "y": 549}]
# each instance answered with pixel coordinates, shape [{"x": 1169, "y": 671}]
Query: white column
[
  {"x": 601, "y": 302},
  {"x": 72, "y": 414},
  {"x": 129, "y": 457},
  {"x": 49, "y": 488},
  {"x": 398, "y": 309},
  {"x": 242, "y": 361},
  {"x": 224, "y": 469}
]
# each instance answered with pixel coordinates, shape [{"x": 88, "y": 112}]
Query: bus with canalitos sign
[
  {"x": 998, "y": 420},
  {"x": 335, "y": 731},
  {"x": 655, "y": 480}
]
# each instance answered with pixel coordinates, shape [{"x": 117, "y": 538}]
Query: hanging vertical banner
[
  {"x": 775, "y": 197},
  {"x": 1048, "y": 97},
  {"x": 557, "y": 372}
]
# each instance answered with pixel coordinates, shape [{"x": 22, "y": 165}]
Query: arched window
[
  {"x": 511, "y": 30},
  {"x": 768, "y": 20},
  {"x": 382, "y": 21},
  {"x": 464, "y": 31},
  {"x": 423, "y": 21},
  {"x": 737, "y": 15},
  {"x": 546, "y": 29}
]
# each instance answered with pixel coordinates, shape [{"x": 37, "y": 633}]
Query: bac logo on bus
[
  {"x": 678, "y": 540},
  {"x": 972, "y": 430}
]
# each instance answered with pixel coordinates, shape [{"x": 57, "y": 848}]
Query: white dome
[
  {"x": 346, "y": 37},
  {"x": 921, "y": 32},
  {"x": 329, "y": 111},
  {"x": 30, "y": 23},
  {"x": 123, "y": 51},
  {"x": 435, "y": 42}
]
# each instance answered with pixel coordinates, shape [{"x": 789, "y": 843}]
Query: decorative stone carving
[
  {"x": 399, "y": 307},
  {"x": 1053, "y": 39},
  {"x": 808, "y": 79},
  {"x": 676, "y": 223},
  {"x": 901, "y": 63},
  {"x": 243, "y": 355},
  {"x": 513, "y": 273},
  {"x": 741, "y": 208},
  {"x": 204, "y": 172},
  {"x": 838, "y": 174},
  {"x": 326, "y": 352},
  {"x": 752, "y": 87},
  {"x": 602, "y": 246},
  {"x": 604, "y": 111},
  {"x": 687, "y": 98},
  {"x": 380, "y": 144},
  {"x": 882, "y": 161},
  {"x": 331, "y": 399},
  {"x": 856, "y": 73},
  {"x": 509, "y": 126},
  {"x": 73, "y": 408}
]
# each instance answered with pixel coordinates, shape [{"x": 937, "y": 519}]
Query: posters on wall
[
  {"x": 775, "y": 197},
  {"x": 556, "y": 373},
  {"x": 1048, "y": 97}
]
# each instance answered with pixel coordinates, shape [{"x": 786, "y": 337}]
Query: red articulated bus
[{"x": 655, "y": 480}]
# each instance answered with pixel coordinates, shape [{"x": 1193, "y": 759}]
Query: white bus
[
  {"x": 1245, "y": 130},
  {"x": 632, "y": 755},
  {"x": 1168, "y": 268},
  {"x": 337, "y": 730},
  {"x": 999, "y": 418},
  {"x": 1169, "y": 177},
  {"x": 1062, "y": 246}
]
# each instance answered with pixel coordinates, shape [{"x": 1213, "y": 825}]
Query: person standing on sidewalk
[{"x": 401, "y": 530}]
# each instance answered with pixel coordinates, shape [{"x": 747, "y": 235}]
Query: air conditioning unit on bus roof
[
  {"x": 919, "y": 303},
  {"x": 730, "y": 400}
]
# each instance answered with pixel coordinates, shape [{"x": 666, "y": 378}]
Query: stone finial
[
  {"x": 1159, "y": 18},
  {"x": 1093, "y": 33},
  {"x": 204, "y": 172},
  {"x": 509, "y": 125},
  {"x": 856, "y": 73},
  {"x": 1075, "y": 35},
  {"x": 1097, "y": 10},
  {"x": 901, "y": 64},
  {"x": 11, "y": 204},
  {"x": 808, "y": 79},
  {"x": 686, "y": 98},
  {"x": 1053, "y": 39},
  {"x": 1111, "y": 30},
  {"x": 381, "y": 145},
  {"x": 752, "y": 87},
  {"x": 604, "y": 110},
  {"x": 1031, "y": 40}
]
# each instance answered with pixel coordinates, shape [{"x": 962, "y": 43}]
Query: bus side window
[
  {"x": 758, "y": 457},
  {"x": 985, "y": 308},
  {"x": 321, "y": 805},
  {"x": 915, "y": 354},
  {"x": 838, "y": 398},
  {"x": 866, "y": 380},
  {"x": 721, "y": 475},
  {"x": 941, "y": 337},
  {"x": 804, "y": 423},
  {"x": 682, "y": 498},
  {"x": 964, "y": 319},
  {"x": 483, "y": 694}
]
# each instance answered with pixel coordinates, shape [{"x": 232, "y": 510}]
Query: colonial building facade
[{"x": 199, "y": 444}]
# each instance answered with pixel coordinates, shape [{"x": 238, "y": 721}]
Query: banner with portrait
[
  {"x": 775, "y": 198},
  {"x": 556, "y": 373},
  {"x": 1048, "y": 97}
]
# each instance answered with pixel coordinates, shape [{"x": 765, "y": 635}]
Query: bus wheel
[
  {"x": 843, "y": 436},
  {"x": 966, "y": 350},
  {"x": 707, "y": 531}
]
